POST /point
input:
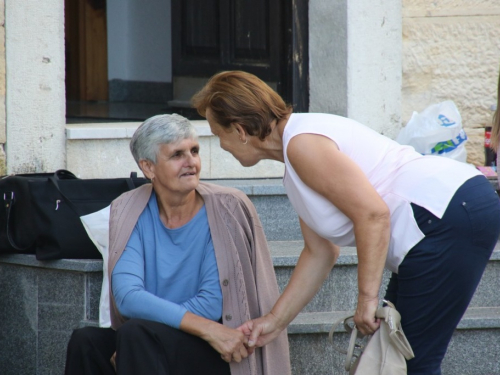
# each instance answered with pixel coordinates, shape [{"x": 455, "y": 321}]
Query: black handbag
[
  {"x": 41, "y": 212},
  {"x": 17, "y": 225}
]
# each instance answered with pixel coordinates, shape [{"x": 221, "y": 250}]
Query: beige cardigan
[{"x": 246, "y": 273}]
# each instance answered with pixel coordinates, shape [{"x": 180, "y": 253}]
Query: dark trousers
[
  {"x": 438, "y": 277},
  {"x": 142, "y": 347}
]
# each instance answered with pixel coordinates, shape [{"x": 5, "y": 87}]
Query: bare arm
[
  {"x": 320, "y": 164},
  {"x": 335, "y": 176},
  {"x": 314, "y": 264}
]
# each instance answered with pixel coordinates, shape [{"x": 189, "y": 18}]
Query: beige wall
[
  {"x": 451, "y": 50},
  {"x": 2, "y": 89},
  {"x": 35, "y": 92}
]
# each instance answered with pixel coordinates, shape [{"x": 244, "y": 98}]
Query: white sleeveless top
[{"x": 398, "y": 173}]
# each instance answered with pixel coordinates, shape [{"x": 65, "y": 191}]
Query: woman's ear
[
  {"x": 148, "y": 168},
  {"x": 240, "y": 130}
]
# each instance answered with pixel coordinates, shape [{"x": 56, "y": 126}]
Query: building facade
[{"x": 375, "y": 61}]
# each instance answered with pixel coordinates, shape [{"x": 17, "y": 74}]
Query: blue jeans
[{"x": 438, "y": 277}]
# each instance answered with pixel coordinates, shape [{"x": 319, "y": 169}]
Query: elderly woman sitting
[{"x": 188, "y": 264}]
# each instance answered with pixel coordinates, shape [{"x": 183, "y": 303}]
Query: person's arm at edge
[
  {"x": 318, "y": 254},
  {"x": 345, "y": 185}
]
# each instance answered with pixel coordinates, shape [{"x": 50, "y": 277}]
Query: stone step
[
  {"x": 473, "y": 349},
  {"x": 278, "y": 218},
  {"x": 277, "y": 215},
  {"x": 42, "y": 302},
  {"x": 339, "y": 291}
]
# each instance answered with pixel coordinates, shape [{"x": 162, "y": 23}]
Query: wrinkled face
[
  {"x": 232, "y": 142},
  {"x": 177, "y": 167}
]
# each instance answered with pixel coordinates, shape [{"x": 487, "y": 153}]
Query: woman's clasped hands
[
  {"x": 261, "y": 331},
  {"x": 232, "y": 344},
  {"x": 237, "y": 344}
]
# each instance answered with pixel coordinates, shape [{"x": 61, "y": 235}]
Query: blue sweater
[{"x": 163, "y": 273}]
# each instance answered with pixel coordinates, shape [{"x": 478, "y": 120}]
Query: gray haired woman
[{"x": 188, "y": 264}]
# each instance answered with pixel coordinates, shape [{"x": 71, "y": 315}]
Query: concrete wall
[
  {"x": 102, "y": 150},
  {"x": 355, "y": 61},
  {"x": 451, "y": 50},
  {"x": 35, "y": 105},
  {"x": 374, "y": 64},
  {"x": 328, "y": 56},
  {"x": 374, "y": 61},
  {"x": 3, "y": 127}
]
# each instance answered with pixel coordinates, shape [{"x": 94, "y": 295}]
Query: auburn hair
[{"x": 243, "y": 98}]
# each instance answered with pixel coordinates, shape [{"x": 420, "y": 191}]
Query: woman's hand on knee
[{"x": 229, "y": 342}]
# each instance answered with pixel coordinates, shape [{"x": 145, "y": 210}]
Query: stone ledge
[
  {"x": 29, "y": 260},
  {"x": 322, "y": 322},
  {"x": 286, "y": 253},
  {"x": 257, "y": 186},
  {"x": 283, "y": 253},
  {"x": 119, "y": 130}
]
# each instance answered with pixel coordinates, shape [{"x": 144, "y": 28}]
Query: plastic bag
[{"x": 436, "y": 131}]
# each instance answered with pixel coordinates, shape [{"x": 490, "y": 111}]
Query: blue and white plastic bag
[{"x": 436, "y": 131}]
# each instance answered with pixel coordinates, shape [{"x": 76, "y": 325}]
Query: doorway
[
  {"x": 127, "y": 61},
  {"x": 86, "y": 50},
  {"x": 265, "y": 37}
]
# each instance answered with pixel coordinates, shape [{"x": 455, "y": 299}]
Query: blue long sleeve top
[{"x": 163, "y": 273}]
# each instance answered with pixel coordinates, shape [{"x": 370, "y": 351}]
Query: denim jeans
[{"x": 438, "y": 277}]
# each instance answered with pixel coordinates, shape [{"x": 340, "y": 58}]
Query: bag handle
[
  {"x": 393, "y": 320},
  {"x": 9, "y": 201},
  {"x": 355, "y": 334},
  {"x": 131, "y": 181},
  {"x": 63, "y": 174},
  {"x": 66, "y": 175}
]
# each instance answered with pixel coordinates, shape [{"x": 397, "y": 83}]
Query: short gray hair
[{"x": 159, "y": 130}]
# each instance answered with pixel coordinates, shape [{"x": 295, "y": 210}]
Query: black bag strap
[
  {"x": 63, "y": 174},
  {"x": 131, "y": 181},
  {"x": 134, "y": 181},
  {"x": 54, "y": 180},
  {"x": 9, "y": 199}
]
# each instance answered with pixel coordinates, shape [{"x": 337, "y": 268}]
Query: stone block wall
[
  {"x": 3, "y": 167},
  {"x": 35, "y": 99},
  {"x": 451, "y": 50}
]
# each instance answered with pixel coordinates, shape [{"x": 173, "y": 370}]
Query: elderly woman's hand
[
  {"x": 261, "y": 331},
  {"x": 229, "y": 342}
]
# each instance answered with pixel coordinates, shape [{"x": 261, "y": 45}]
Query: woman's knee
[
  {"x": 136, "y": 329},
  {"x": 82, "y": 337}
]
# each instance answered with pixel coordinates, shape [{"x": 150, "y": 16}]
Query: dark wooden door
[
  {"x": 86, "y": 50},
  {"x": 265, "y": 37}
]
